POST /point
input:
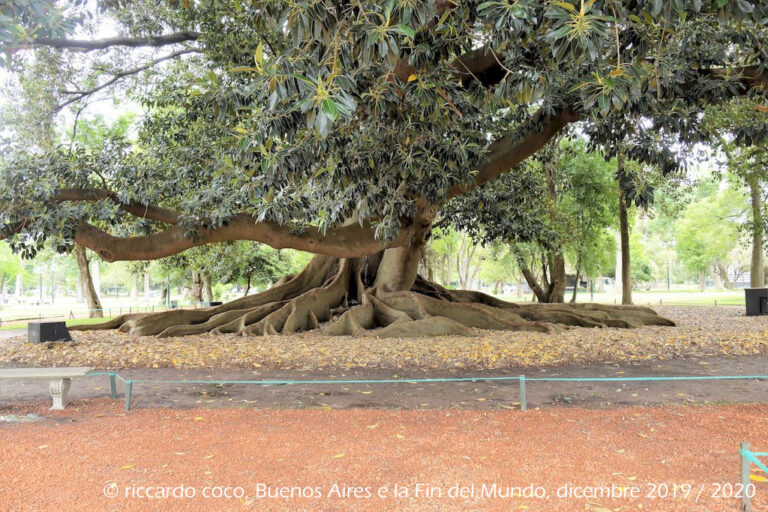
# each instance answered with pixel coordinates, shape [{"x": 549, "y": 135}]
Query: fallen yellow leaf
[{"x": 339, "y": 455}]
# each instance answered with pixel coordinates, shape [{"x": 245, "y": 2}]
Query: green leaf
[
  {"x": 405, "y": 30},
  {"x": 259, "y": 55},
  {"x": 330, "y": 108},
  {"x": 242, "y": 69}
]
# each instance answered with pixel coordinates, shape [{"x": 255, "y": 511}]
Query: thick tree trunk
[
  {"x": 557, "y": 279},
  {"x": 757, "y": 267},
  {"x": 626, "y": 271},
  {"x": 89, "y": 290},
  {"x": 207, "y": 287},
  {"x": 382, "y": 293}
]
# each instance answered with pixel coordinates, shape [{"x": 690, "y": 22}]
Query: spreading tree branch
[
  {"x": 85, "y": 45},
  {"x": 507, "y": 152},
  {"x": 98, "y": 194},
  {"x": 342, "y": 242},
  {"x": 78, "y": 95}
]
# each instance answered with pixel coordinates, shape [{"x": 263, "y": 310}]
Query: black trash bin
[{"x": 756, "y": 300}]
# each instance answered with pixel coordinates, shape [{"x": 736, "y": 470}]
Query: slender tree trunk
[
  {"x": 702, "y": 280},
  {"x": 89, "y": 290},
  {"x": 519, "y": 285},
  {"x": 446, "y": 278},
  {"x": 757, "y": 267},
  {"x": 197, "y": 286},
  {"x": 538, "y": 292},
  {"x": 247, "y": 285},
  {"x": 578, "y": 276},
  {"x": 207, "y": 288},
  {"x": 2, "y": 291},
  {"x": 19, "y": 286},
  {"x": 430, "y": 271},
  {"x": 723, "y": 272},
  {"x": 626, "y": 271},
  {"x": 146, "y": 285},
  {"x": 135, "y": 287}
]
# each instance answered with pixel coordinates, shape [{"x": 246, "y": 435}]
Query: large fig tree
[{"x": 342, "y": 129}]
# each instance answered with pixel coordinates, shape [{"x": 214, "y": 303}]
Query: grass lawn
[
  {"x": 656, "y": 297},
  {"x": 76, "y": 321}
]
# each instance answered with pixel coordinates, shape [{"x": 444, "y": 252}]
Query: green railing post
[
  {"x": 112, "y": 386},
  {"x": 128, "y": 389},
  {"x": 746, "y": 506},
  {"x": 523, "y": 403}
]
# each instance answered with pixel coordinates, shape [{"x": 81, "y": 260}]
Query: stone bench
[{"x": 60, "y": 379}]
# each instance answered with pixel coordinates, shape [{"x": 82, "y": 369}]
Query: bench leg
[{"x": 59, "y": 389}]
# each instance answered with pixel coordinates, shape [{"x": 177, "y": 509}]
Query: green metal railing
[
  {"x": 521, "y": 380},
  {"x": 748, "y": 458}
]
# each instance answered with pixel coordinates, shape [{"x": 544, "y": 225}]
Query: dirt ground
[
  {"x": 457, "y": 395},
  {"x": 700, "y": 332},
  {"x": 667, "y": 458}
]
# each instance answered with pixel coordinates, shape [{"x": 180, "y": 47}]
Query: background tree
[
  {"x": 737, "y": 125},
  {"x": 10, "y": 267},
  {"x": 708, "y": 232}
]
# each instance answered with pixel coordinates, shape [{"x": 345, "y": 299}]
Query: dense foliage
[{"x": 323, "y": 113}]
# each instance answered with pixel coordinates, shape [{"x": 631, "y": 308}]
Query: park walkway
[{"x": 462, "y": 395}]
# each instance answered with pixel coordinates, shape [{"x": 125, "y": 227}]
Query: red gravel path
[{"x": 64, "y": 462}]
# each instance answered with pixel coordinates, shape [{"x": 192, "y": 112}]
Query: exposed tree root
[{"x": 379, "y": 296}]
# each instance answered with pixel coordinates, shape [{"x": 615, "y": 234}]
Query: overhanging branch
[
  {"x": 139, "y": 210},
  {"x": 510, "y": 150},
  {"x": 85, "y": 45},
  {"x": 343, "y": 242}
]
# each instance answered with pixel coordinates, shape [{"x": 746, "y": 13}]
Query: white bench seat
[{"x": 60, "y": 380}]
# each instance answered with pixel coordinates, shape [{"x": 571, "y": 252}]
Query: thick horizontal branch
[
  {"x": 510, "y": 150},
  {"x": 78, "y": 95},
  {"x": 343, "y": 242},
  {"x": 484, "y": 65},
  {"x": 87, "y": 45},
  {"x": 139, "y": 210}
]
